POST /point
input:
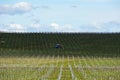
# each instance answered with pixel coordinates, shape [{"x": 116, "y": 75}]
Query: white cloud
[
  {"x": 111, "y": 26},
  {"x": 55, "y": 26},
  {"x": 36, "y": 25},
  {"x": 18, "y": 8},
  {"x": 23, "y": 6},
  {"x": 4, "y": 30},
  {"x": 16, "y": 26},
  {"x": 63, "y": 28},
  {"x": 96, "y": 25},
  {"x": 13, "y": 28}
]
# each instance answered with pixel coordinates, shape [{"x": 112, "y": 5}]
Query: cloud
[
  {"x": 18, "y": 8},
  {"x": 52, "y": 27},
  {"x": 3, "y": 30},
  {"x": 111, "y": 26},
  {"x": 55, "y": 26},
  {"x": 13, "y": 28},
  {"x": 62, "y": 28},
  {"x": 36, "y": 26}
]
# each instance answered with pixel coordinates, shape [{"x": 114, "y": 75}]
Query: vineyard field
[
  {"x": 81, "y": 56},
  {"x": 73, "y": 44}
]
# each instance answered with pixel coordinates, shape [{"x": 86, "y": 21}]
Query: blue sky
[{"x": 60, "y": 15}]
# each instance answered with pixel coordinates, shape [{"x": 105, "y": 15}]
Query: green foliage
[{"x": 77, "y": 44}]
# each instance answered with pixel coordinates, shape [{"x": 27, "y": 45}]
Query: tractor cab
[{"x": 57, "y": 46}]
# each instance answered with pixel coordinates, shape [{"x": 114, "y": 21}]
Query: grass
[{"x": 48, "y": 68}]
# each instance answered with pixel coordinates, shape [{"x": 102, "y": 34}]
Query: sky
[{"x": 60, "y": 15}]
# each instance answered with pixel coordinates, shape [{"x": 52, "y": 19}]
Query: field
[
  {"x": 83, "y": 56},
  {"x": 60, "y": 68}
]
